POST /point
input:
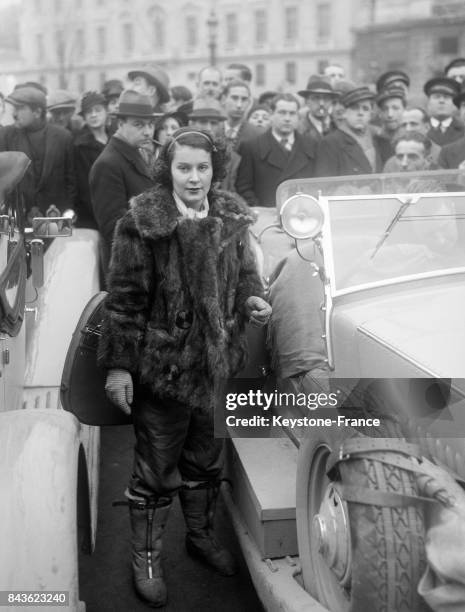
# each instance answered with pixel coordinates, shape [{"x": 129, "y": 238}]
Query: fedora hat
[
  {"x": 133, "y": 104},
  {"x": 317, "y": 85},
  {"x": 155, "y": 75},
  {"x": 207, "y": 108}
]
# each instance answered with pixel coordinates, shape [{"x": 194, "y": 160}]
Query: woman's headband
[{"x": 190, "y": 133}]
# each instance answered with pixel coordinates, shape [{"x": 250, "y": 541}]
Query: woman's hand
[
  {"x": 119, "y": 389},
  {"x": 257, "y": 310}
]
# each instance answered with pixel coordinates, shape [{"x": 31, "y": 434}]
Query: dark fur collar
[{"x": 156, "y": 215}]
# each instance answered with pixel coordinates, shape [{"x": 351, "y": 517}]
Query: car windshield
[{"x": 382, "y": 229}]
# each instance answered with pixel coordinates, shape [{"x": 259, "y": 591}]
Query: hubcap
[{"x": 331, "y": 532}]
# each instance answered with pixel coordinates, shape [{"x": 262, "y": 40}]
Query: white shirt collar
[
  {"x": 444, "y": 123},
  {"x": 191, "y": 213},
  {"x": 290, "y": 138}
]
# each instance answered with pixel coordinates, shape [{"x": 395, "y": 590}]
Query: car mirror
[
  {"x": 301, "y": 217},
  {"x": 52, "y": 227}
]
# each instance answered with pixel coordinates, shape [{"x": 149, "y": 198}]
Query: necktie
[
  {"x": 442, "y": 127},
  {"x": 284, "y": 142}
]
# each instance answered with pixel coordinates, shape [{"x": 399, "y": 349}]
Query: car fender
[
  {"x": 71, "y": 279},
  {"x": 39, "y": 458}
]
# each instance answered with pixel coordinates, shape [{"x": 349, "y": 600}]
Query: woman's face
[
  {"x": 96, "y": 117},
  {"x": 168, "y": 128},
  {"x": 260, "y": 118},
  {"x": 191, "y": 173}
]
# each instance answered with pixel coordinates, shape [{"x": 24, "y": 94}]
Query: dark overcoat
[
  {"x": 264, "y": 165},
  {"x": 452, "y": 155},
  {"x": 177, "y": 290},
  {"x": 56, "y": 183},
  {"x": 454, "y": 131},
  {"x": 339, "y": 154},
  {"x": 118, "y": 174},
  {"x": 86, "y": 151}
]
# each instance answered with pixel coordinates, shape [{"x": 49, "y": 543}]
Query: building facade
[
  {"x": 78, "y": 44},
  {"x": 419, "y": 37}
]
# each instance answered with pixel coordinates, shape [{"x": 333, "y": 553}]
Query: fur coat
[{"x": 177, "y": 289}]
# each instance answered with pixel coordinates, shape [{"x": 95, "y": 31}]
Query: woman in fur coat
[{"x": 182, "y": 285}]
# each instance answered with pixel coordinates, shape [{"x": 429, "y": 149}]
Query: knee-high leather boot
[
  {"x": 199, "y": 506},
  {"x": 148, "y": 518}
]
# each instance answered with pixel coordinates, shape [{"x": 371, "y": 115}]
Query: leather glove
[{"x": 119, "y": 389}]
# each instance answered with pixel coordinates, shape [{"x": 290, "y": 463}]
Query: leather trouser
[{"x": 175, "y": 443}]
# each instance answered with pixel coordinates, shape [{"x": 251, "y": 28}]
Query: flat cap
[
  {"x": 390, "y": 77},
  {"x": 391, "y": 92},
  {"x": 317, "y": 84},
  {"x": 27, "y": 95},
  {"x": 444, "y": 85},
  {"x": 60, "y": 98},
  {"x": 358, "y": 94}
]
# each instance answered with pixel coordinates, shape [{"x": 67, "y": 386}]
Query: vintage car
[
  {"x": 48, "y": 460},
  {"x": 366, "y": 279}
]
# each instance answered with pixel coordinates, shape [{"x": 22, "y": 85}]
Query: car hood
[{"x": 413, "y": 331}]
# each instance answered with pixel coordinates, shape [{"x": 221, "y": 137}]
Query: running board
[{"x": 263, "y": 475}]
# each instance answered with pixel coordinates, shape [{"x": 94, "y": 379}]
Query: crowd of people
[{"x": 92, "y": 155}]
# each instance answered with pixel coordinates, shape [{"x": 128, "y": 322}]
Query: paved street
[{"x": 105, "y": 576}]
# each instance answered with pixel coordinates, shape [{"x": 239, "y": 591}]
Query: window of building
[
  {"x": 291, "y": 23},
  {"x": 291, "y": 72},
  {"x": 448, "y": 45},
  {"x": 159, "y": 32},
  {"x": 101, "y": 40},
  {"x": 128, "y": 37},
  {"x": 59, "y": 45},
  {"x": 261, "y": 26},
  {"x": 80, "y": 43},
  {"x": 40, "y": 48},
  {"x": 322, "y": 65},
  {"x": 191, "y": 31},
  {"x": 78, "y": 4},
  {"x": 38, "y": 6},
  {"x": 81, "y": 78},
  {"x": 232, "y": 29},
  {"x": 323, "y": 20},
  {"x": 260, "y": 75},
  {"x": 57, "y": 6},
  {"x": 102, "y": 78}
]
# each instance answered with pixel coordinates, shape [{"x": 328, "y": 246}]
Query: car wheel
[{"x": 357, "y": 557}]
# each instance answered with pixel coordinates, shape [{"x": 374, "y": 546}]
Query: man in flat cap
[
  {"x": 120, "y": 172},
  {"x": 61, "y": 107},
  {"x": 391, "y": 103},
  {"x": 353, "y": 148},
  {"x": 445, "y": 128},
  {"x": 456, "y": 69},
  {"x": 393, "y": 78},
  {"x": 50, "y": 178},
  {"x": 315, "y": 119},
  {"x": 453, "y": 155}
]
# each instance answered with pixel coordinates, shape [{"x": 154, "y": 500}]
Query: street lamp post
[{"x": 212, "y": 24}]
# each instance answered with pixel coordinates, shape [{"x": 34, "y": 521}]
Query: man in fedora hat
[
  {"x": 50, "y": 178},
  {"x": 315, "y": 119},
  {"x": 453, "y": 155},
  {"x": 120, "y": 172},
  {"x": 353, "y": 148},
  {"x": 152, "y": 81},
  {"x": 445, "y": 128}
]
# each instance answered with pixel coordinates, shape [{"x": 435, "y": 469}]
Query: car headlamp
[{"x": 301, "y": 216}]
